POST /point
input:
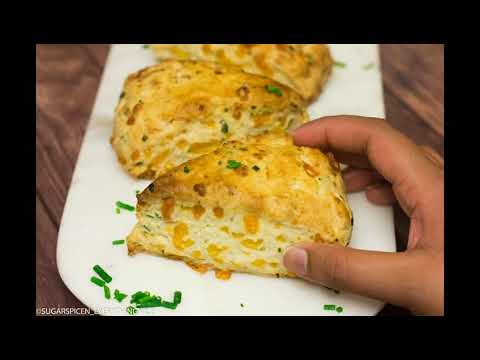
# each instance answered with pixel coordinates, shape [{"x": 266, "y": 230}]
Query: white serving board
[{"x": 90, "y": 223}]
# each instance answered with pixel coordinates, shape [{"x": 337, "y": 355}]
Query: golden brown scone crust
[
  {"x": 244, "y": 219},
  {"x": 177, "y": 110},
  {"x": 303, "y": 67}
]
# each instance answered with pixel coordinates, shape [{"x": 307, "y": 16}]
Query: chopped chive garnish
[
  {"x": 279, "y": 250},
  {"x": 119, "y": 296},
  {"x": 224, "y": 127},
  {"x": 122, "y": 94},
  {"x": 274, "y": 90},
  {"x": 97, "y": 281},
  {"x": 177, "y": 297},
  {"x": 242, "y": 305},
  {"x": 106, "y": 291},
  {"x": 157, "y": 216},
  {"x": 329, "y": 307},
  {"x": 144, "y": 138},
  {"x": 255, "y": 167},
  {"x": 169, "y": 305},
  {"x": 137, "y": 192},
  {"x": 105, "y": 277},
  {"x": 150, "y": 216},
  {"x": 339, "y": 309},
  {"x": 143, "y": 299},
  {"x": 368, "y": 66},
  {"x": 117, "y": 210},
  {"x": 138, "y": 295},
  {"x": 147, "y": 299},
  {"x": 125, "y": 206},
  {"x": 152, "y": 303},
  {"x": 186, "y": 169},
  {"x": 118, "y": 242},
  {"x": 146, "y": 46},
  {"x": 147, "y": 228},
  {"x": 131, "y": 310},
  {"x": 339, "y": 64},
  {"x": 139, "y": 163},
  {"x": 232, "y": 164}
]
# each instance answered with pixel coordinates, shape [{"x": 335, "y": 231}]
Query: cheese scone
[
  {"x": 177, "y": 110},
  {"x": 303, "y": 67},
  {"x": 241, "y": 206}
]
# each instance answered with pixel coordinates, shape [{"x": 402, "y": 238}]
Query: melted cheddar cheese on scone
[
  {"x": 178, "y": 110},
  {"x": 241, "y": 206},
  {"x": 303, "y": 67}
]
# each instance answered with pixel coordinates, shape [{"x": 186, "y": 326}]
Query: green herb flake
[
  {"x": 146, "y": 46},
  {"x": 144, "y": 138},
  {"x": 279, "y": 250},
  {"x": 255, "y": 167},
  {"x": 242, "y": 305},
  {"x": 150, "y": 216},
  {"x": 97, "y": 281},
  {"x": 177, "y": 297},
  {"x": 118, "y": 242},
  {"x": 186, "y": 169},
  {"x": 147, "y": 228},
  {"x": 106, "y": 292},
  {"x": 155, "y": 302},
  {"x": 139, "y": 163},
  {"x": 138, "y": 295},
  {"x": 340, "y": 64},
  {"x": 232, "y": 164},
  {"x": 169, "y": 305},
  {"x": 119, "y": 296},
  {"x": 148, "y": 299},
  {"x": 117, "y": 210},
  {"x": 273, "y": 90},
  {"x": 224, "y": 127},
  {"x": 329, "y": 307},
  {"x": 122, "y": 94},
  {"x": 131, "y": 310},
  {"x": 339, "y": 309},
  {"x": 102, "y": 273},
  {"x": 368, "y": 66},
  {"x": 290, "y": 122},
  {"x": 125, "y": 206},
  {"x": 137, "y": 192}
]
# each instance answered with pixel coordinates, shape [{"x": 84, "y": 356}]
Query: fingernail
[{"x": 297, "y": 260}]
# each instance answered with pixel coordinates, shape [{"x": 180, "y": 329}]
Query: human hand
[{"x": 390, "y": 168}]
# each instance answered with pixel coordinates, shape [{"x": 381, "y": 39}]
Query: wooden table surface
[{"x": 67, "y": 81}]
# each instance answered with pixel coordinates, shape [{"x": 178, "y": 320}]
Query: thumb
[{"x": 385, "y": 276}]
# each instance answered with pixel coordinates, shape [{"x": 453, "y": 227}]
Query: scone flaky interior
[{"x": 241, "y": 206}]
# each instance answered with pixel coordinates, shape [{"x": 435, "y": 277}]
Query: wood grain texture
[{"x": 67, "y": 80}]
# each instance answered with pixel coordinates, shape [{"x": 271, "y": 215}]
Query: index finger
[{"x": 392, "y": 154}]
